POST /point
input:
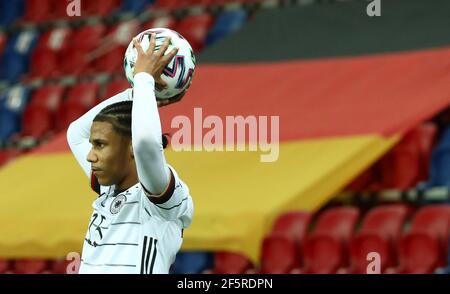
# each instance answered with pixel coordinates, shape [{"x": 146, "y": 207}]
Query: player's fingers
[
  {"x": 138, "y": 46},
  {"x": 169, "y": 56},
  {"x": 164, "y": 47},
  {"x": 152, "y": 45},
  {"x": 160, "y": 84}
]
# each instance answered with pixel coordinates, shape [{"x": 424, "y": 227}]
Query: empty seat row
[
  {"x": 297, "y": 243},
  {"x": 37, "y": 266},
  {"x": 38, "y": 11},
  {"x": 50, "y": 108},
  {"x": 404, "y": 166},
  {"x": 419, "y": 161},
  {"x": 97, "y": 48},
  {"x": 334, "y": 244}
]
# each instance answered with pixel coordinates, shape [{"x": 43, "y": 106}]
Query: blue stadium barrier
[
  {"x": 445, "y": 137},
  {"x": 226, "y": 23},
  {"x": 16, "y": 58},
  {"x": 192, "y": 262},
  {"x": 440, "y": 167},
  {"x": 11, "y": 11},
  {"x": 12, "y": 106},
  {"x": 136, "y": 6}
]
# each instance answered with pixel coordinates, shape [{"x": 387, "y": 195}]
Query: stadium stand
[{"x": 54, "y": 68}]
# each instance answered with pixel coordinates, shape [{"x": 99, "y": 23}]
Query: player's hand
[{"x": 152, "y": 62}]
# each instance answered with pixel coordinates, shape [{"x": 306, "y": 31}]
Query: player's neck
[{"x": 128, "y": 182}]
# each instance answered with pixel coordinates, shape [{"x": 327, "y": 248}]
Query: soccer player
[{"x": 143, "y": 206}]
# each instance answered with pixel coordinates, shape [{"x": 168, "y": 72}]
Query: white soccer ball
[{"x": 178, "y": 73}]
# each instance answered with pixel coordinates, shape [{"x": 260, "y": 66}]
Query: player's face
[{"x": 110, "y": 156}]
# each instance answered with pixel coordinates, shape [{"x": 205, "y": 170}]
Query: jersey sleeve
[
  {"x": 151, "y": 165},
  {"x": 178, "y": 204},
  {"x": 79, "y": 130}
]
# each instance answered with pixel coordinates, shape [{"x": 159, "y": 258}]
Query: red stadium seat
[
  {"x": 325, "y": 250},
  {"x": 420, "y": 253},
  {"x": 67, "y": 114},
  {"x": 76, "y": 58},
  {"x": 166, "y": 21},
  {"x": 48, "y": 96},
  {"x": 379, "y": 233},
  {"x": 170, "y": 4},
  {"x": 338, "y": 221},
  {"x": 74, "y": 62},
  {"x": 2, "y": 42},
  {"x": 44, "y": 63},
  {"x": 112, "y": 61},
  {"x": 5, "y": 266},
  {"x": 55, "y": 39},
  {"x": 38, "y": 10},
  {"x": 434, "y": 219},
  {"x": 60, "y": 10},
  {"x": 323, "y": 255},
  {"x": 195, "y": 28},
  {"x": 45, "y": 59},
  {"x": 80, "y": 98},
  {"x": 427, "y": 134},
  {"x": 278, "y": 255},
  {"x": 84, "y": 94},
  {"x": 293, "y": 224},
  {"x": 400, "y": 168},
  {"x": 424, "y": 248},
  {"x": 59, "y": 266},
  {"x": 30, "y": 266},
  {"x": 88, "y": 37},
  {"x": 99, "y": 8},
  {"x": 363, "y": 181},
  {"x": 37, "y": 122},
  {"x": 230, "y": 263},
  {"x": 108, "y": 57},
  {"x": 115, "y": 87},
  {"x": 407, "y": 163},
  {"x": 279, "y": 252}
]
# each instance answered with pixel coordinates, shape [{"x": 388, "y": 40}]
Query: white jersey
[{"x": 129, "y": 234}]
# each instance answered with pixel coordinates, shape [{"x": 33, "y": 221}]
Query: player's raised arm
[
  {"x": 79, "y": 130},
  {"x": 152, "y": 169}
]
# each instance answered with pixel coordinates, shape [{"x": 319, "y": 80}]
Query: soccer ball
[{"x": 178, "y": 73}]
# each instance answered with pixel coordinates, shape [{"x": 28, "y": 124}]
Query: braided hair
[{"x": 119, "y": 116}]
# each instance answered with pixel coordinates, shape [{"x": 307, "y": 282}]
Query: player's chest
[
  {"x": 112, "y": 217},
  {"x": 117, "y": 207}
]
